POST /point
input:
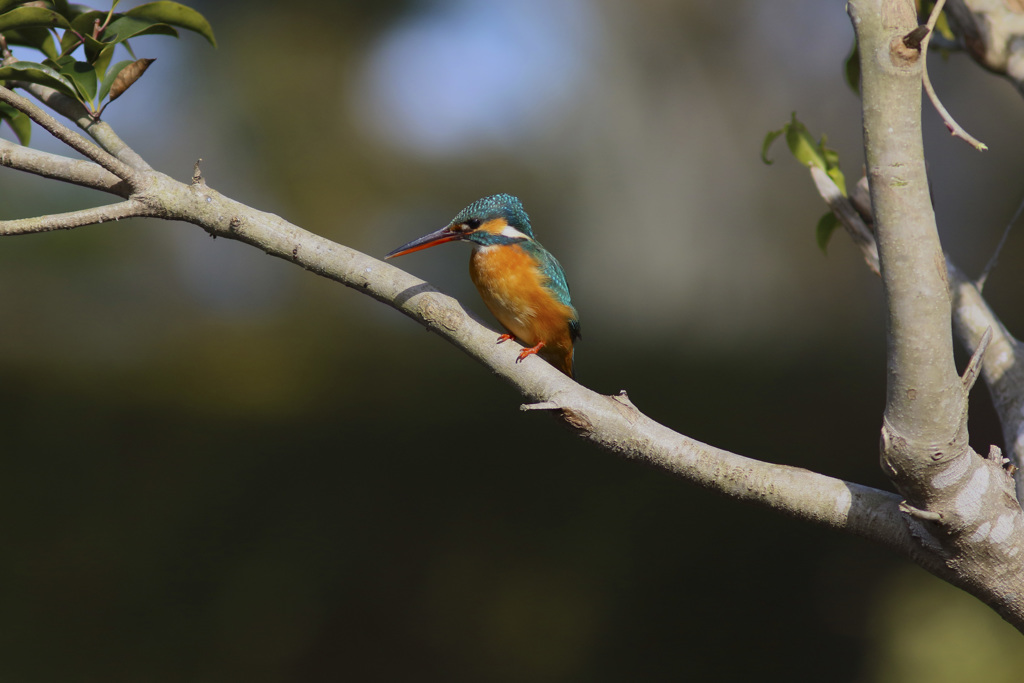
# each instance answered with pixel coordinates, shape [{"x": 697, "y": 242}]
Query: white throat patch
[{"x": 512, "y": 233}]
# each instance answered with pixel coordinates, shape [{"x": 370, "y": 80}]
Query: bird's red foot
[
  {"x": 504, "y": 338},
  {"x": 529, "y": 352}
]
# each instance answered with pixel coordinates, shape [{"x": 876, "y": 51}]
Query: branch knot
[{"x": 913, "y": 39}]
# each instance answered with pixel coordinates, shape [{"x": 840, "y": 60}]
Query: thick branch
[
  {"x": 1002, "y": 363},
  {"x": 961, "y": 506},
  {"x": 925, "y": 403}
]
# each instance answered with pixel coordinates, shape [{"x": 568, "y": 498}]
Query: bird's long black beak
[{"x": 445, "y": 234}]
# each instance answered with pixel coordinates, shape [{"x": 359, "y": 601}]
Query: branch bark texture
[{"x": 960, "y": 505}]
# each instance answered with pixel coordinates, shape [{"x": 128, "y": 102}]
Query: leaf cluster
[
  {"x": 78, "y": 43},
  {"x": 810, "y": 152}
]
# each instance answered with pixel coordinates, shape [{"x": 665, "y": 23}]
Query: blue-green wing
[{"x": 556, "y": 282}]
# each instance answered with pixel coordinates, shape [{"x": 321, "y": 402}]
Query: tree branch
[
  {"x": 70, "y": 138},
  {"x": 611, "y": 422},
  {"x": 994, "y": 259},
  {"x": 99, "y": 130},
  {"x": 102, "y": 133},
  {"x": 65, "y": 169},
  {"x": 960, "y": 497},
  {"x": 951, "y": 125},
  {"x": 925, "y": 401},
  {"x": 74, "y": 219},
  {"x": 1002, "y": 364},
  {"x": 848, "y": 216}
]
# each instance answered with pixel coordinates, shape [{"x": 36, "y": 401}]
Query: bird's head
[{"x": 498, "y": 219}]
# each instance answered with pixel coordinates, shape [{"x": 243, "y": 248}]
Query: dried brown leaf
[{"x": 129, "y": 75}]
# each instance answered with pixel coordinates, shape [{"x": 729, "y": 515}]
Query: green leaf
[
  {"x": 83, "y": 76},
  {"x": 7, "y": 4},
  {"x": 82, "y": 27},
  {"x": 768, "y": 140},
  {"x": 175, "y": 14},
  {"x": 811, "y": 153},
  {"x": 102, "y": 61},
  {"x": 837, "y": 177},
  {"x": 63, "y": 60},
  {"x": 943, "y": 27},
  {"x": 39, "y": 38},
  {"x": 851, "y": 69},
  {"x": 127, "y": 27},
  {"x": 831, "y": 158},
  {"x": 38, "y": 73},
  {"x": 31, "y": 17},
  {"x": 802, "y": 145},
  {"x": 64, "y": 8},
  {"x": 18, "y": 121},
  {"x": 826, "y": 226},
  {"x": 808, "y": 152}
]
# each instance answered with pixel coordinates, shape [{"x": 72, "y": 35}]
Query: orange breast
[{"x": 513, "y": 289}]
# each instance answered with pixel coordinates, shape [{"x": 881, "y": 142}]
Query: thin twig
[
  {"x": 544, "y": 405},
  {"x": 918, "y": 513},
  {"x": 951, "y": 124},
  {"x": 980, "y": 282},
  {"x": 848, "y": 216},
  {"x": 970, "y": 375},
  {"x": 75, "y": 219},
  {"x": 70, "y": 137}
]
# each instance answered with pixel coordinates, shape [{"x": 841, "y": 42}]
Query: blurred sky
[
  {"x": 161, "y": 387},
  {"x": 530, "y": 56}
]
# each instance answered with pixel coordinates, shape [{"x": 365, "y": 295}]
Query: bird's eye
[{"x": 471, "y": 224}]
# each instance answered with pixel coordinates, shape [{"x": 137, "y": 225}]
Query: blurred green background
[{"x": 219, "y": 467}]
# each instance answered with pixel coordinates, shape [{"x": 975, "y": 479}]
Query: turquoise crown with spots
[{"x": 497, "y": 206}]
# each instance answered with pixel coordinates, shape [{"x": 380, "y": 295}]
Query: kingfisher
[{"x": 521, "y": 283}]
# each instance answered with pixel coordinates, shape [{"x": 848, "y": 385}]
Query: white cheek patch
[{"x": 512, "y": 233}]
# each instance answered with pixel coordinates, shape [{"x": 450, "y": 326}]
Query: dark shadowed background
[{"x": 219, "y": 467}]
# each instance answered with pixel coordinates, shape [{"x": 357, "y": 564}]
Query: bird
[{"x": 521, "y": 283}]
